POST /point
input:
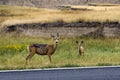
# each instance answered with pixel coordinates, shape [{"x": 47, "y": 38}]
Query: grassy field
[
  {"x": 98, "y": 52},
  {"x": 15, "y": 15}
]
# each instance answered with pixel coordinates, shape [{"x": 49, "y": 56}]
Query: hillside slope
[{"x": 54, "y": 3}]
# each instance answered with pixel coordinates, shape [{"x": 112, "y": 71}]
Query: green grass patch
[{"x": 98, "y": 52}]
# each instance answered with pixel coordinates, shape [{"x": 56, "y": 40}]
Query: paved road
[{"x": 97, "y": 73}]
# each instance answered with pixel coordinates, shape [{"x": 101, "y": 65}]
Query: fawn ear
[
  {"x": 77, "y": 42},
  {"x": 82, "y": 41},
  {"x": 57, "y": 34}
]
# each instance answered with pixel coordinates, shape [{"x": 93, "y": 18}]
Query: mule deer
[
  {"x": 80, "y": 47},
  {"x": 43, "y": 49}
]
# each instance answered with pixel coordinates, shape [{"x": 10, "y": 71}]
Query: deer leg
[
  {"x": 29, "y": 57},
  {"x": 32, "y": 53},
  {"x": 50, "y": 58}
]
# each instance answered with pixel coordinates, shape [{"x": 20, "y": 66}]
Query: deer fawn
[
  {"x": 43, "y": 49},
  {"x": 80, "y": 47}
]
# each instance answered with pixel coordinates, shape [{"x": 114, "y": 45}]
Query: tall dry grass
[{"x": 18, "y": 15}]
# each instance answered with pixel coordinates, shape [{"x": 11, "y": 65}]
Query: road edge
[{"x": 65, "y": 68}]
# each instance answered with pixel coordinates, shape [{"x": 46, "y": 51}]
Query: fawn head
[
  {"x": 81, "y": 42},
  {"x": 55, "y": 38}
]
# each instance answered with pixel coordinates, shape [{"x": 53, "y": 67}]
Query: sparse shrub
[
  {"x": 4, "y": 13},
  {"x": 104, "y": 64}
]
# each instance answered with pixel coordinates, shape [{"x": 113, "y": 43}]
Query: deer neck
[
  {"x": 55, "y": 46},
  {"x": 79, "y": 46}
]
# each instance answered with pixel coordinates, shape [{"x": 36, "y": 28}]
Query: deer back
[{"x": 40, "y": 49}]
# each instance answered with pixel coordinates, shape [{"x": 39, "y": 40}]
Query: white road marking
[{"x": 66, "y": 68}]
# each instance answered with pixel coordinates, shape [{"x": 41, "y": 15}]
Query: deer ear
[
  {"x": 52, "y": 35},
  {"x": 58, "y": 34},
  {"x": 77, "y": 42}
]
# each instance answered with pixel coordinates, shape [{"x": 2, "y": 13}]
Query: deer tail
[{"x": 28, "y": 48}]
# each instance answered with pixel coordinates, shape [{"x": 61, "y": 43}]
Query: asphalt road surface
[{"x": 96, "y": 73}]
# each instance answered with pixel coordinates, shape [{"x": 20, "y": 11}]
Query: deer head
[{"x": 55, "y": 38}]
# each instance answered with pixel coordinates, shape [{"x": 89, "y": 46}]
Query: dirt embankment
[
  {"x": 64, "y": 24},
  {"x": 81, "y": 28},
  {"x": 53, "y": 3}
]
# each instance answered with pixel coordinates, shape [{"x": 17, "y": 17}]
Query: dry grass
[
  {"x": 18, "y": 15},
  {"x": 103, "y": 4}
]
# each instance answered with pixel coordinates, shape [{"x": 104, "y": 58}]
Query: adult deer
[
  {"x": 43, "y": 49},
  {"x": 80, "y": 47}
]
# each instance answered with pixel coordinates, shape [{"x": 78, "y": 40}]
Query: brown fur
[
  {"x": 42, "y": 49},
  {"x": 81, "y": 50}
]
